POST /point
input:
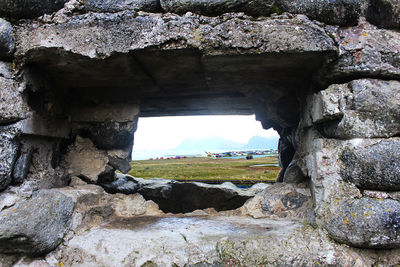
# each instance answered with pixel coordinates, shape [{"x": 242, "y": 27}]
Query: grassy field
[{"x": 208, "y": 170}]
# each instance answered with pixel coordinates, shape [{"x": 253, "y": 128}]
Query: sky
[{"x": 159, "y": 133}]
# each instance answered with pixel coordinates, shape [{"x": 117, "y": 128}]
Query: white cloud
[{"x": 168, "y": 132}]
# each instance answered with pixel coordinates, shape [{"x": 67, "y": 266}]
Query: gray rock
[
  {"x": 7, "y": 42},
  {"x": 294, "y": 174},
  {"x": 364, "y": 52},
  {"x": 12, "y": 107},
  {"x": 111, "y": 135},
  {"x": 384, "y": 13},
  {"x": 362, "y": 108},
  {"x": 122, "y": 184},
  {"x": 9, "y": 149},
  {"x": 233, "y": 35},
  {"x": 367, "y": 223},
  {"x": 121, "y": 5},
  {"x": 35, "y": 226},
  {"x": 120, "y": 164},
  {"x": 337, "y": 12},
  {"x": 21, "y": 167},
  {"x": 286, "y": 153},
  {"x": 181, "y": 197},
  {"x": 85, "y": 160},
  {"x": 20, "y": 9},
  {"x": 285, "y": 200},
  {"x": 218, "y": 7},
  {"x": 373, "y": 167}
]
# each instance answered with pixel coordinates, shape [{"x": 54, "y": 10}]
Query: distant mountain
[
  {"x": 259, "y": 142},
  {"x": 218, "y": 143}
]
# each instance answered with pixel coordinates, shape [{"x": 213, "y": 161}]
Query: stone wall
[{"x": 76, "y": 75}]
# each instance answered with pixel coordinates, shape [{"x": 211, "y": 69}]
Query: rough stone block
[
  {"x": 85, "y": 160},
  {"x": 338, "y": 12},
  {"x": 110, "y": 135},
  {"x": 35, "y": 226},
  {"x": 119, "y": 164},
  {"x": 21, "y": 167},
  {"x": 18, "y": 9},
  {"x": 12, "y": 107},
  {"x": 375, "y": 167},
  {"x": 365, "y": 51},
  {"x": 213, "y": 36},
  {"x": 40, "y": 126},
  {"x": 7, "y": 42},
  {"x": 9, "y": 150},
  {"x": 367, "y": 223},
  {"x": 362, "y": 108},
  {"x": 218, "y": 7},
  {"x": 384, "y": 13},
  {"x": 121, "y": 5},
  {"x": 286, "y": 200}
]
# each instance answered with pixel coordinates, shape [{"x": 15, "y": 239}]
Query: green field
[{"x": 208, "y": 170}]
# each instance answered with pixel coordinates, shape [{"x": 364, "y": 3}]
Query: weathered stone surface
[
  {"x": 122, "y": 184},
  {"x": 286, "y": 153},
  {"x": 9, "y": 149},
  {"x": 293, "y": 173},
  {"x": 365, "y": 51},
  {"x": 286, "y": 200},
  {"x": 384, "y": 13},
  {"x": 37, "y": 225},
  {"x": 12, "y": 107},
  {"x": 94, "y": 206},
  {"x": 338, "y": 12},
  {"x": 21, "y": 167},
  {"x": 85, "y": 160},
  {"x": 111, "y": 135},
  {"x": 210, "y": 241},
  {"x": 103, "y": 113},
  {"x": 362, "y": 108},
  {"x": 29, "y": 8},
  {"x": 181, "y": 197},
  {"x": 119, "y": 164},
  {"x": 218, "y": 7},
  {"x": 38, "y": 125},
  {"x": 7, "y": 43},
  {"x": 121, "y": 5},
  {"x": 211, "y": 35},
  {"x": 367, "y": 223},
  {"x": 375, "y": 166}
]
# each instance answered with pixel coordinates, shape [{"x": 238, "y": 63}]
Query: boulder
[
  {"x": 384, "y": 13},
  {"x": 122, "y": 184},
  {"x": 37, "y": 225},
  {"x": 217, "y": 7},
  {"x": 121, "y": 5},
  {"x": 337, "y": 12},
  {"x": 85, "y": 160},
  {"x": 375, "y": 167},
  {"x": 286, "y": 200},
  {"x": 110, "y": 134},
  {"x": 9, "y": 149},
  {"x": 367, "y": 223},
  {"x": 7, "y": 42},
  {"x": 119, "y": 164},
  {"x": 21, "y": 167},
  {"x": 363, "y": 108},
  {"x": 26, "y": 9},
  {"x": 12, "y": 107},
  {"x": 181, "y": 197},
  {"x": 365, "y": 51},
  {"x": 293, "y": 173}
]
